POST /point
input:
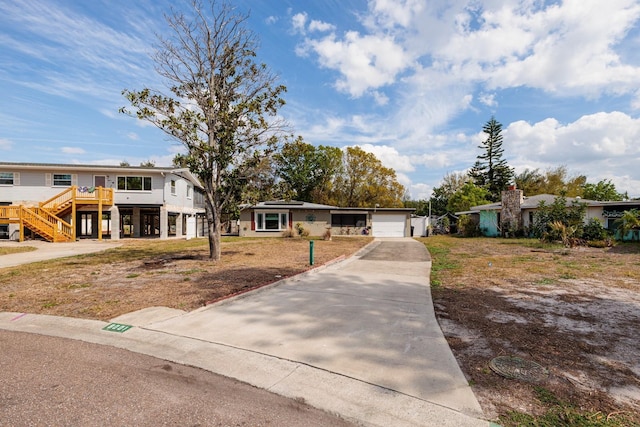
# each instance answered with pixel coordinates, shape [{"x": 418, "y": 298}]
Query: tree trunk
[{"x": 213, "y": 223}]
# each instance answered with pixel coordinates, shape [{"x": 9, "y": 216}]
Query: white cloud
[
  {"x": 562, "y": 48},
  {"x": 600, "y": 146},
  {"x": 392, "y": 13},
  {"x": 271, "y": 20},
  {"x": 133, "y": 136},
  {"x": 298, "y": 21},
  {"x": 364, "y": 61},
  {"x": 569, "y": 48},
  {"x": 390, "y": 157},
  {"x": 109, "y": 113},
  {"x": 83, "y": 58},
  {"x": 380, "y": 98},
  {"x": 5, "y": 144},
  {"x": 73, "y": 150},
  {"x": 420, "y": 191},
  {"x": 488, "y": 99},
  {"x": 594, "y": 138},
  {"x": 321, "y": 26},
  {"x": 635, "y": 103}
]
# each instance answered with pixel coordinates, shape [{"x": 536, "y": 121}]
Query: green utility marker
[{"x": 117, "y": 327}]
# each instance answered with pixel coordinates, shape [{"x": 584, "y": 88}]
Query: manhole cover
[{"x": 517, "y": 368}]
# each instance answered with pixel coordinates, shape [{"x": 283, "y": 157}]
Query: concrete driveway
[
  {"x": 369, "y": 319},
  {"x": 358, "y": 338}
]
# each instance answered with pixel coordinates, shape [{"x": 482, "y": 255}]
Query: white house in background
[{"x": 65, "y": 202}]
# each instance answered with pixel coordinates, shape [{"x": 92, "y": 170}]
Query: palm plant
[{"x": 628, "y": 222}]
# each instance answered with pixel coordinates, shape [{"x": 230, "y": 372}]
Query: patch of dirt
[
  {"x": 575, "y": 312},
  {"x": 142, "y": 274}
]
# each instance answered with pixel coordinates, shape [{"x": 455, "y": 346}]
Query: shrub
[
  {"x": 288, "y": 233},
  {"x": 467, "y": 227},
  {"x": 605, "y": 243},
  {"x": 303, "y": 232},
  {"x": 547, "y": 220},
  {"x": 558, "y": 231},
  {"x": 594, "y": 230},
  {"x": 327, "y": 234}
]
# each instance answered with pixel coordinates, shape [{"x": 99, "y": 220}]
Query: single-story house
[
  {"x": 273, "y": 218},
  {"x": 516, "y": 211},
  {"x": 61, "y": 202}
]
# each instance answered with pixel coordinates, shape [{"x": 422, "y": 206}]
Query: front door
[
  {"x": 86, "y": 225},
  {"x": 151, "y": 224},
  {"x": 99, "y": 181},
  {"x": 126, "y": 224}
]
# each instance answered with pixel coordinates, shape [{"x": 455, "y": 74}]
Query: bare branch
[{"x": 221, "y": 99}]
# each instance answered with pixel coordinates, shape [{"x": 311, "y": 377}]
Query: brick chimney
[{"x": 511, "y": 212}]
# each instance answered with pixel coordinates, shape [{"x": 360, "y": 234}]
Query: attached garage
[{"x": 388, "y": 225}]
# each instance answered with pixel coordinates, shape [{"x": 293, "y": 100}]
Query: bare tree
[{"x": 222, "y": 106}]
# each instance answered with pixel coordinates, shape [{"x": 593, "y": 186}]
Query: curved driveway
[{"x": 358, "y": 338}]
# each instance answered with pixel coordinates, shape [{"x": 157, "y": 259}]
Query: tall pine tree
[{"x": 490, "y": 170}]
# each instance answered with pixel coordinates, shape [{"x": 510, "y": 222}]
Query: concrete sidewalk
[
  {"x": 358, "y": 338},
  {"x": 46, "y": 250}
]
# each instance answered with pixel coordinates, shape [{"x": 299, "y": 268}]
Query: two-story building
[{"x": 65, "y": 202}]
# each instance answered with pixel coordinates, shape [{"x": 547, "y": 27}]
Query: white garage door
[{"x": 388, "y": 225}]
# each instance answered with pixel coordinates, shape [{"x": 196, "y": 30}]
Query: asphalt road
[{"x": 49, "y": 381}]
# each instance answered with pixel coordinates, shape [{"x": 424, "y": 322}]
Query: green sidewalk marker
[{"x": 117, "y": 327}]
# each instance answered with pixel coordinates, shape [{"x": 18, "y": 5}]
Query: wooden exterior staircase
[{"x": 45, "y": 220}]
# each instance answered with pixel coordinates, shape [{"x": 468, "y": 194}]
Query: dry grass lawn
[
  {"x": 574, "y": 311},
  {"x": 145, "y": 273},
  {"x": 8, "y": 250}
]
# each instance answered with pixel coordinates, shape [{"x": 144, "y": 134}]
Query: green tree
[
  {"x": 531, "y": 182},
  {"x": 467, "y": 196},
  {"x": 421, "y": 206},
  {"x": 553, "y": 181},
  {"x": 603, "y": 190},
  {"x": 148, "y": 164},
  {"x": 594, "y": 230},
  {"x": 306, "y": 171},
  {"x": 219, "y": 102},
  {"x": 440, "y": 195},
  {"x": 559, "y": 220},
  {"x": 262, "y": 183},
  {"x": 439, "y": 201},
  {"x": 363, "y": 181},
  {"x": 629, "y": 222},
  {"x": 490, "y": 170},
  {"x": 558, "y": 182}
]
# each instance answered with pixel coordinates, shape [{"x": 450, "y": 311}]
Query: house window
[
  {"x": 62, "y": 180},
  {"x": 272, "y": 221},
  {"x": 134, "y": 183},
  {"x": 189, "y": 191},
  {"x": 6, "y": 178},
  {"x": 173, "y": 187},
  {"x": 613, "y": 224},
  {"x": 348, "y": 220}
]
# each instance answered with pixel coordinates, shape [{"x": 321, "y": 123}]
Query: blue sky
[{"x": 412, "y": 81}]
